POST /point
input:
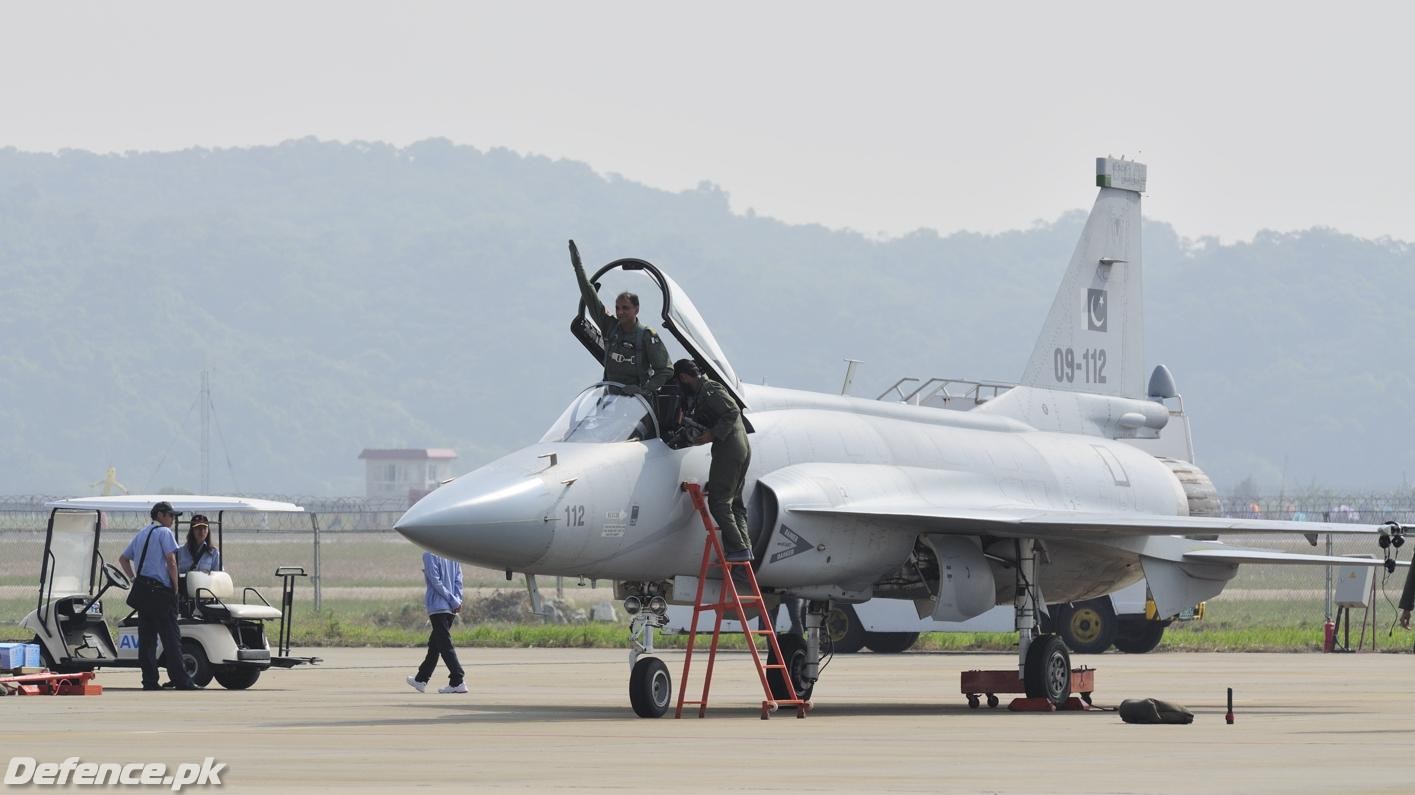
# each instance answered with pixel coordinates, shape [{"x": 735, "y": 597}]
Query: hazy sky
[{"x": 881, "y": 117}]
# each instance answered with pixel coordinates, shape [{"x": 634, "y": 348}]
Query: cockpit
[{"x": 604, "y": 413}]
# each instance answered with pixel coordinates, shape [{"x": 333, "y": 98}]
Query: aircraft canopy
[{"x": 680, "y": 318}]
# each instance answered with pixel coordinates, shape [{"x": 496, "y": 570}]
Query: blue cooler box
[
  {"x": 12, "y": 655},
  {"x": 32, "y": 658}
]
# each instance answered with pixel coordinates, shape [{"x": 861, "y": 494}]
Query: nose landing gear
[{"x": 650, "y": 684}]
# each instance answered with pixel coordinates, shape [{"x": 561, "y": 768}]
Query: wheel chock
[{"x": 1031, "y": 705}]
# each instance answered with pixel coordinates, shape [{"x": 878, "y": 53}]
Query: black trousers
[
  {"x": 158, "y": 619},
  {"x": 439, "y": 644}
]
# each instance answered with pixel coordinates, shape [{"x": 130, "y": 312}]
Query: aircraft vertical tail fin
[{"x": 1094, "y": 336}]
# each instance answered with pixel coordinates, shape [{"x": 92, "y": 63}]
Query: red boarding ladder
[{"x": 729, "y": 600}]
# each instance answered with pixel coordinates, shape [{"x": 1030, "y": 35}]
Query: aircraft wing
[{"x": 1040, "y": 523}]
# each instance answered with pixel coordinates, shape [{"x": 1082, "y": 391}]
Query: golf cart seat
[{"x": 212, "y": 592}]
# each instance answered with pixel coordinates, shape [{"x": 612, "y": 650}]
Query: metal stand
[{"x": 287, "y": 604}]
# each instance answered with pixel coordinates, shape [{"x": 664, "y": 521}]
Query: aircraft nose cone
[{"x": 490, "y": 518}]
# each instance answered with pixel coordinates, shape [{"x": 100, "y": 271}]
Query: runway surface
[{"x": 556, "y": 719}]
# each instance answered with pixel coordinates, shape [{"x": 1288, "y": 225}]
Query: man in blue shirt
[
  {"x": 444, "y": 602},
  {"x": 155, "y": 549}
]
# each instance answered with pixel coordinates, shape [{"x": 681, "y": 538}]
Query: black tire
[
  {"x": 237, "y": 677},
  {"x": 793, "y": 647},
  {"x": 890, "y": 642},
  {"x": 842, "y": 625},
  {"x": 1139, "y": 635},
  {"x": 194, "y": 660},
  {"x": 1087, "y": 627},
  {"x": 650, "y": 688},
  {"x": 1047, "y": 673}
]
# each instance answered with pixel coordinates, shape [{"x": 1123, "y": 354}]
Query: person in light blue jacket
[{"x": 444, "y": 602}]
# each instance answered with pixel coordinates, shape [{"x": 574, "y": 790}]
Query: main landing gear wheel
[
  {"x": 842, "y": 625},
  {"x": 194, "y": 660},
  {"x": 1087, "y": 627},
  {"x": 1138, "y": 636},
  {"x": 793, "y": 648},
  {"x": 650, "y": 688},
  {"x": 1047, "y": 672}
]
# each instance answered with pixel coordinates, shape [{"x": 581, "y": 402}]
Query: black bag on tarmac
[{"x": 1152, "y": 710}]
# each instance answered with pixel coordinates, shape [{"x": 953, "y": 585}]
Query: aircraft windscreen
[
  {"x": 603, "y": 413},
  {"x": 685, "y": 316},
  {"x": 72, "y": 546}
]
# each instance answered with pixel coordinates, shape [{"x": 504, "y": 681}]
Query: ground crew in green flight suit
[
  {"x": 714, "y": 408},
  {"x": 633, "y": 354}
]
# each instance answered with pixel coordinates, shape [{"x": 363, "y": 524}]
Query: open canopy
[
  {"x": 186, "y": 503},
  {"x": 680, "y": 318}
]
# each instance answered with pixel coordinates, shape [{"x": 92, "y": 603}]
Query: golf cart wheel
[
  {"x": 793, "y": 648},
  {"x": 843, "y": 627},
  {"x": 650, "y": 688},
  {"x": 194, "y": 660},
  {"x": 237, "y": 677},
  {"x": 1047, "y": 673}
]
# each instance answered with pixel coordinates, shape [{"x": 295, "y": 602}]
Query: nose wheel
[{"x": 650, "y": 688}]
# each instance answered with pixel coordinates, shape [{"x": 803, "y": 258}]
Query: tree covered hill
[{"x": 360, "y": 295}]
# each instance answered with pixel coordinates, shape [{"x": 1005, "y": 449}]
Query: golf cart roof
[{"x": 185, "y": 503}]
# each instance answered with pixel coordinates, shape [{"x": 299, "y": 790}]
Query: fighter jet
[{"x": 1037, "y": 496}]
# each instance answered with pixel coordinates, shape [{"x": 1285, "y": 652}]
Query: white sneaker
[
  {"x": 462, "y": 688},
  {"x": 416, "y": 685}
]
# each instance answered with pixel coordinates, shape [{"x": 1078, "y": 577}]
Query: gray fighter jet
[{"x": 1036, "y": 496}]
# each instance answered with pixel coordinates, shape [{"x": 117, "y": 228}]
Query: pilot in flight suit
[{"x": 633, "y": 354}]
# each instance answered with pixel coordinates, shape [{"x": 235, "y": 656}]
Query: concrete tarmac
[{"x": 559, "y": 719}]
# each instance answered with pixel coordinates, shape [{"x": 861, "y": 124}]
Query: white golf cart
[{"x": 221, "y": 639}]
